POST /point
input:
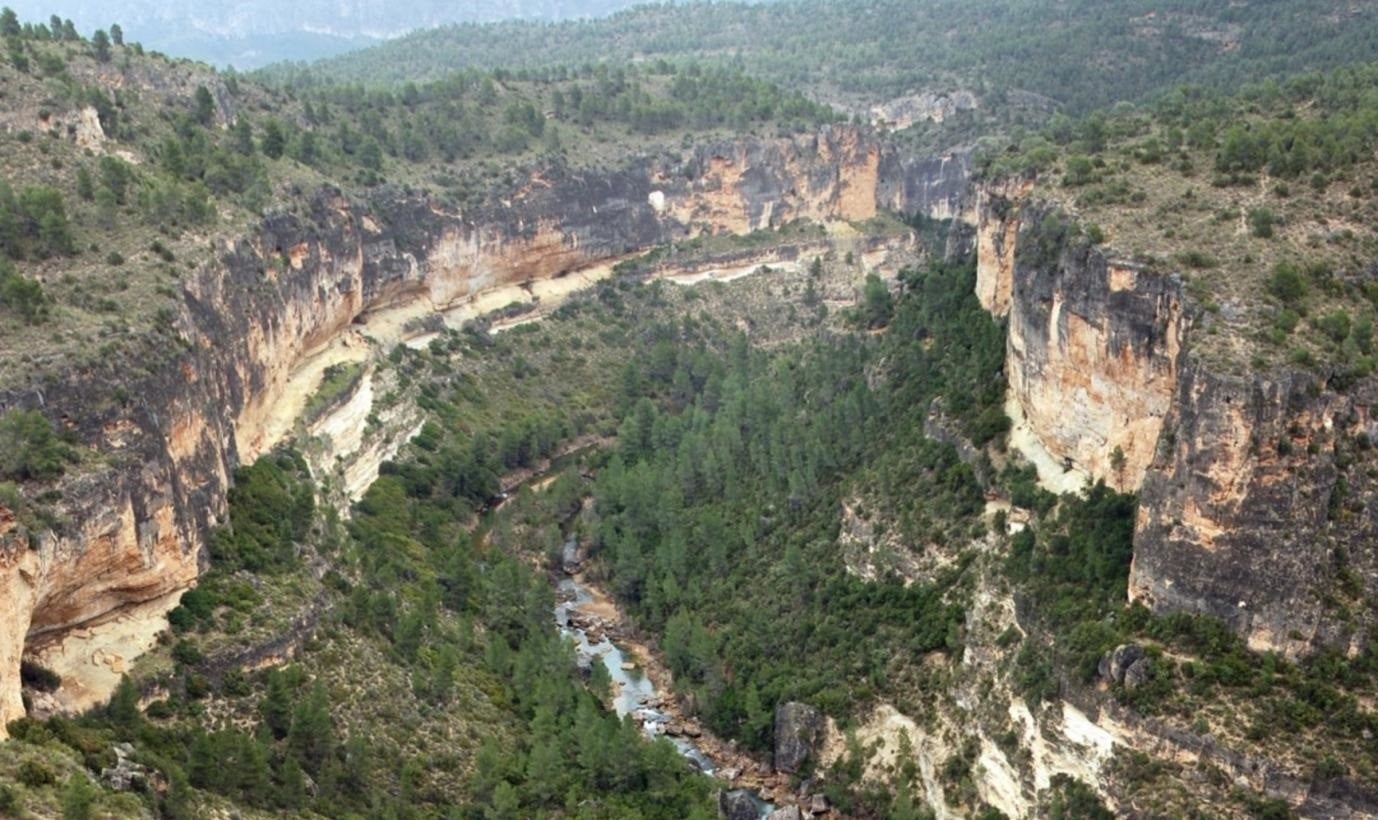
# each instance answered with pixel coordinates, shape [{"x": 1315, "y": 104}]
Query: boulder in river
[
  {"x": 737, "y": 804},
  {"x": 787, "y": 813},
  {"x": 798, "y": 729}
]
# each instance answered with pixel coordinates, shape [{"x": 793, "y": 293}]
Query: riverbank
[{"x": 599, "y": 616}]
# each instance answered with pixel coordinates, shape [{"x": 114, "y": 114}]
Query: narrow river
[{"x": 633, "y": 691}]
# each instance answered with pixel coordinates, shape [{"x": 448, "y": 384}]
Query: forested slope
[{"x": 1081, "y": 54}]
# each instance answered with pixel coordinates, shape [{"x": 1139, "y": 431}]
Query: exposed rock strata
[
  {"x": 996, "y": 219},
  {"x": 1252, "y": 487}
]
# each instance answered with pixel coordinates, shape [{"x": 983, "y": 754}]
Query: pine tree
[
  {"x": 9, "y": 23},
  {"x": 205, "y": 105},
  {"x": 291, "y": 785},
  {"x": 312, "y": 736},
  {"x": 124, "y": 706},
  {"x": 116, "y": 34},
  {"x": 276, "y": 708},
  {"x": 100, "y": 45},
  {"x": 274, "y": 141},
  {"x": 242, "y": 136},
  {"x": 86, "y": 187}
]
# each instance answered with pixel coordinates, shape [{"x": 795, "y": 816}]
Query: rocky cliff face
[
  {"x": 996, "y": 220},
  {"x": 254, "y": 326},
  {"x": 1093, "y": 346},
  {"x": 1256, "y": 509},
  {"x": 1253, "y": 488}
]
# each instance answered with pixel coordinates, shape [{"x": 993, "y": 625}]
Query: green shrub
[
  {"x": 29, "y": 449},
  {"x": 186, "y": 653},
  {"x": 21, "y": 295},
  {"x": 1335, "y": 326},
  {"x": 1074, "y": 800},
  {"x": 1286, "y": 284},
  {"x": 1261, "y": 222},
  {"x": 78, "y": 796},
  {"x": 35, "y": 774},
  {"x": 1033, "y": 675},
  {"x": 1080, "y": 171},
  {"x": 1197, "y": 259}
]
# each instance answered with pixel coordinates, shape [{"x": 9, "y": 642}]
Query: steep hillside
[
  {"x": 1244, "y": 218},
  {"x": 254, "y": 328}
]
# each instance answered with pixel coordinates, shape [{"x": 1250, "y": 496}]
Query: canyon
[
  {"x": 256, "y": 327},
  {"x": 1102, "y": 385}
]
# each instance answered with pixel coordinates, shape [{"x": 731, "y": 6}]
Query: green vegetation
[
  {"x": 274, "y": 503},
  {"x": 792, "y": 504},
  {"x": 29, "y": 448},
  {"x": 102, "y": 231},
  {"x": 471, "y": 699},
  {"x": 727, "y": 476},
  {"x": 21, "y": 296},
  {"x": 423, "y": 589},
  {"x": 1074, "y": 800},
  {"x": 33, "y": 222},
  {"x": 878, "y": 49},
  {"x": 337, "y": 382}
]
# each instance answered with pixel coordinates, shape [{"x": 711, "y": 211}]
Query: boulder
[
  {"x": 798, "y": 729},
  {"x": 1116, "y": 662},
  {"x": 1138, "y": 673},
  {"x": 125, "y": 775},
  {"x": 787, "y": 813},
  {"x": 818, "y": 804},
  {"x": 737, "y": 804}
]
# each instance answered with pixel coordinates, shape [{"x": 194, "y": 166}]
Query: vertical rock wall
[{"x": 1093, "y": 346}]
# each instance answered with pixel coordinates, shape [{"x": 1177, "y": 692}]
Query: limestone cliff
[
  {"x": 1256, "y": 509},
  {"x": 1253, "y": 488},
  {"x": 256, "y": 326},
  {"x": 1093, "y": 345},
  {"x": 996, "y": 220}
]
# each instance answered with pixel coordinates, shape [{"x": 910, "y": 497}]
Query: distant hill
[
  {"x": 252, "y": 33},
  {"x": 1085, "y": 54}
]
